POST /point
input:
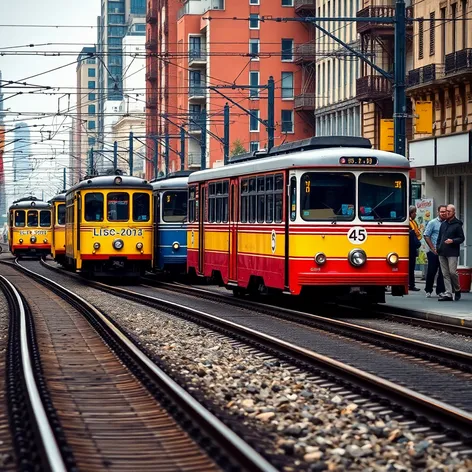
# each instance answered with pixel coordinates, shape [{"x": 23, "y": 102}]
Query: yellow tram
[
  {"x": 30, "y": 227},
  {"x": 58, "y": 247},
  {"x": 109, "y": 226}
]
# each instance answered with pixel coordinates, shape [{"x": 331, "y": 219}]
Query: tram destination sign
[{"x": 358, "y": 161}]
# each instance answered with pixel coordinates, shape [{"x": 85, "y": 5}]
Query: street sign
[{"x": 424, "y": 117}]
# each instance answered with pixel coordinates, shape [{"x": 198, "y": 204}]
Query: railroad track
[
  {"x": 392, "y": 393},
  {"x": 148, "y": 421}
]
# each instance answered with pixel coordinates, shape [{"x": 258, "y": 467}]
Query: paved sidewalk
[{"x": 416, "y": 303}]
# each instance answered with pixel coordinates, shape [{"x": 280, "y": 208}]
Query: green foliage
[{"x": 238, "y": 148}]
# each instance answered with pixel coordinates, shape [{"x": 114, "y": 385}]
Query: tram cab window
[
  {"x": 20, "y": 218},
  {"x": 141, "y": 207},
  {"x": 293, "y": 199},
  {"x": 174, "y": 206},
  {"x": 192, "y": 204},
  {"x": 118, "y": 206},
  {"x": 382, "y": 197},
  {"x": 45, "y": 219},
  {"x": 327, "y": 196},
  {"x": 61, "y": 214},
  {"x": 279, "y": 197},
  {"x": 94, "y": 206},
  {"x": 33, "y": 218}
]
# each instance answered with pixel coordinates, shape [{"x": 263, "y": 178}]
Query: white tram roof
[
  {"x": 327, "y": 157},
  {"x": 171, "y": 184}
]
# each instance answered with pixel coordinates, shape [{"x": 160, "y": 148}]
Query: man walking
[
  {"x": 415, "y": 244},
  {"x": 431, "y": 234},
  {"x": 450, "y": 238}
]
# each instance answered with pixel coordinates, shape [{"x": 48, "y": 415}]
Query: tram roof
[
  {"x": 111, "y": 182},
  {"x": 327, "y": 157},
  {"x": 60, "y": 197},
  {"x": 29, "y": 203},
  {"x": 170, "y": 184}
]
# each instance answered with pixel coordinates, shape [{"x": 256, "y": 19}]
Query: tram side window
[
  {"x": 118, "y": 206},
  {"x": 252, "y": 200},
  {"x": 141, "y": 207},
  {"x": 260, "y": 200},
  {"x": 174, "y": 206},
  {"x": 93, "y": 207},
  {"x": 61, "y": 214},
  {"x": 327, "y": 196},
  {"x": 32, "y": 218},
  {"x": 45, "y": 219},
  {"x": 279, "y": 197},
  {"x": 211, "y": 203},
  {"x": 218, "y": 202},
  {"x": 244, "y": 200},
  {"x": 192, "y": 204},
  {"x": 269, "y": 198},
  {"x": 20, "y": 219}
]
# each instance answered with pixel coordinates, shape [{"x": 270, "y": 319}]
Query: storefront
[{"x": 444, "y": 169}]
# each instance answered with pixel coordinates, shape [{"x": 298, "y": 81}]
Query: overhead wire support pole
[
  {"x": 131, "y": 152},
  {"x": 226, "y": 135},
  {"x": 270, "y": 112},
  {"x": 166, "y": 154},
  {"x": 400, "y": 114},
  {"x": 203, "y": 141},
  {"x": 115, "y": 154},
  {"x": 182, "y": 149}
]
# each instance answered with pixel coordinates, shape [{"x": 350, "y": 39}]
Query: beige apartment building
[
  {"x": 442, "y": 74},
  {"x": 337, "y": 109}
]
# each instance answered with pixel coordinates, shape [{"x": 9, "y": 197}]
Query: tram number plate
[
  {"x": 117, "y": 232},
  {"x": 357, "y": 235}
]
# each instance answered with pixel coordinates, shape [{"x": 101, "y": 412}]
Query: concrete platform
[{"x": 417, "y": 305}]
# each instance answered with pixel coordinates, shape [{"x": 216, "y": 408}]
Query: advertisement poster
[{"x": 424, "y": 213}]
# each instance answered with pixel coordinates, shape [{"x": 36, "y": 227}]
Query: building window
[
  {"x": 287, "y": 3},
  {"x": 91, "y": 84},
  {"x": 454, "y": 26},
  {"x": 420, "y": 39},
  {"x": 287, "y": 84},
  {"x": 195, "y": 49},
  {"x": 91, "y": 141},
  {"x": 432, "y": 29},
  {"x": 138, "y": 7},
  {"x": 287, "y": 121},
  {"x": 91, "y": 125},
  {"x": 254, "y": 81},
  {"x": 253, "y": 21},
  {"x": 254, "y": 122},
  {"x": 254, "y": 2},
  {"x": 287, "y": 49},
  {"x": 91, "y": 97},
  {"x": 465, "y": 24},
  {"x": 254, "y": 49},
  {"x": 91, "y": 109},
  {"x": 91, "y": 72},
  {"x": 254, "y": 146}
]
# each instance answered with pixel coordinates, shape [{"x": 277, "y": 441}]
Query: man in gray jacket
[{"x": 450, "y": 238}]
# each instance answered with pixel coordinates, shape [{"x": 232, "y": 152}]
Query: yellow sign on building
[
  {"x": 424, "y": 117},
  {"x": 386, "y": 135}
]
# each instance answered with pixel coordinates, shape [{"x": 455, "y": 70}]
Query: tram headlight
[
  {"x": 392, "y": 258},
  {"x": 118, "y": 244},
  {"x": 96, "y": 245},
  {"x": 33, "y": 239},
  {"x": 175, "y": 246},
  {"x": 139, "y": 246},
  {"x": 357, "y": 257},
  {"x": 45, "y": 240},
  {"x": 20, "y": 241},
  {"x": 320, "y": 258}
]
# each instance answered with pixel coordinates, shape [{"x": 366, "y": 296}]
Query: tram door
[
  {"x": 233, "y": 230},
  {"x": 201, "y": 229}
]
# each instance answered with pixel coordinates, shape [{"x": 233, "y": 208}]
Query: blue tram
[{"x": 170, "y": 233}]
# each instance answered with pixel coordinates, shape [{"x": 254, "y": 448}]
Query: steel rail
[
  {"x": 46, "y": 435},
  {"x": 242, "y": 453}
]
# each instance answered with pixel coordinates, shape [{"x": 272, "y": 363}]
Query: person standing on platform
[
  {"x": 431, "y": 234},
  {"x": 415, "y": 244},
  {"x": 450, "y": 238}
]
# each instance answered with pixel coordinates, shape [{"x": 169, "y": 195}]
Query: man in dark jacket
[{"x": 450, "y": 238}]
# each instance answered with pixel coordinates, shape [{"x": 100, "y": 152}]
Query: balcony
[
  {"x": 459, "y": 62},
  {"x": 197, "y": 91},
  {"x": 151, "y": 16},
  {"x": 305, "y": 102},
  {"x": 423, "y": 76},
  {"x": 380, "y": 11},
  {"x": 304, "y": 6},
  {"x": 151, "y": 101},
  {"x": 373, "y": 87},
  {"x": 197, "y": 57},
  {"x": 194, "y": 160},
  {"x": 151, "y": 45},
  {"x": 196, "y": 122},
  {"x": 305, "y": 53},
  {"x": 196, "y": 8}
]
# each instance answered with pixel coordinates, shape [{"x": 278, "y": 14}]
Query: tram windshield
[
  {"x": 32, "y": 218},
  {"x": 382, "y": 197},
  {"x": 94, "y": 206},
  {"x": 61, "y": 214},
  {"x": 174, "y": 206},
  {"x": 45, "y": 219},
  {"x": 20, "y": 219},
  {"x": 141, "y": 207},
  {"x": 118, "y": 206},
  {"x": 327, "y": 196}
]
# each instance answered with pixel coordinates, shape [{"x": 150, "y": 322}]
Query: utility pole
[
  {"x": 400, "y": 114},
  {"x": 91, "y": 162},
  {"x": 131, "y": 151},
  {"x": 182, "y": 149},
  {"x": 64, "y": 178},
  {"x": 115, "y": 155},
  {"x": 226, "y": 134},
  {"x": 166, "y": 154}
]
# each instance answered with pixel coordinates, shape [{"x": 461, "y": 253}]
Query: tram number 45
[{"x": 357, "y": 235}]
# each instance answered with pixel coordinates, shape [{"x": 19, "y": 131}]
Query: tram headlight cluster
[
  {"x": 175, "y": 246},
  {"x": 392, "y": 258},
  {"x": 357, "y": 257},
  {"x": 33, "y": 239},
  {"x": 139, "y": 246},
  {"x": 45, "y": 240},
  {"x": 320, "y": 258},
  {"x": 118, "y": 244},
  {"x": 96, "y": 245},
  {"x": 20, "y": 241}
]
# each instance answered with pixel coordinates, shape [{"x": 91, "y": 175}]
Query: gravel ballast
[{"x": 315, "y": 427}]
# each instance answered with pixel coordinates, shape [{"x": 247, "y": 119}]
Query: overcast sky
[{"x": 48, "y": 167}]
